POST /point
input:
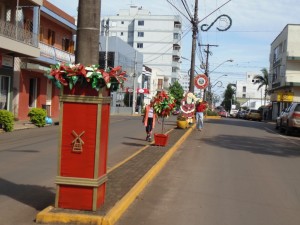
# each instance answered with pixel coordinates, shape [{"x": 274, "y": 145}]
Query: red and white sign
[
  {"x": 201, "y": 81},
  {"x": 139, "y": 90}
]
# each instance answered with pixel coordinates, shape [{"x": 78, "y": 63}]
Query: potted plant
[
  {"x": 163, "y": 105},
  {"x": 182, "y": 122}
]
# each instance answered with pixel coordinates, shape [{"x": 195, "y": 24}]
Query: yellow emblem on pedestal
[{"x": 77, "y": 142}]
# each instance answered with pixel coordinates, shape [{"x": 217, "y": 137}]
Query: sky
[{"x": 255, "y": 25}]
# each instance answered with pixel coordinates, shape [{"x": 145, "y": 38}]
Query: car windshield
[{"x": 297, "y": 107}]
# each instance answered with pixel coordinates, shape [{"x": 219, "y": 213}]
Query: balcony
[
  {"x": 54, "y": 55},
  {"x": 17, "y": 41}
]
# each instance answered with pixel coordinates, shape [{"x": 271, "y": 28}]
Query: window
[
  {"x": 244, "y": 95},
  {"x": 160, "y": 84},
  {"x": 176, "y": 36},
  {"x": 140, "y": 34},
  {"x": 41, "y": 34},
  {"x": 32, "y": 92},
  {"x": 122, "y": 34},
  {"x": 122, "y": 22},
  {"x": 244, "y": 88},
  {"x": 68, "y": 45},
  {"x": 141, "y": 23},
  {"x": 140, "y": 45},
  {"x": 51, "y": 37}
]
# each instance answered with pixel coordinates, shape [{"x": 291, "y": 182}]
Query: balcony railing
[
  {"x": 51, "y": 52},
  {"x": 17, "y": 33}
]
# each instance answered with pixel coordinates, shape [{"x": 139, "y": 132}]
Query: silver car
[{"x": 290, "y": 119}]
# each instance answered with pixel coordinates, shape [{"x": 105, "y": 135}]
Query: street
[
  {"x": 28, "y": 164},
  {"x": 234, "y": 172}
]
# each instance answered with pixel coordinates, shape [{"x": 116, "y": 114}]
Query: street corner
[{"x": 48, "y": 216}]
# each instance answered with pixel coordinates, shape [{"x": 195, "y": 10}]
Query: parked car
[
  {"x": 279, "y": 118},
  {"x": 254, "y": 114},
  {"x": 223, "y": 113},
  {"x": 176, "y": 112},
  {"x": 241, "y": 114},
  {"x": 290, "y": 120},
  {"x": 233, "y": 112}
]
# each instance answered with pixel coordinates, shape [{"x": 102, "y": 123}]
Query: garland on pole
[{"x": 70, "y": 74}]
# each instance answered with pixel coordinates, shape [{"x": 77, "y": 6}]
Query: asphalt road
[
  {"x": 28, "y": 164},
  {"x": 235, "y": 172}
]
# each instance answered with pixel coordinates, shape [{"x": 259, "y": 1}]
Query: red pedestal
[
  {"x": 161, "y": 139},
  {"x": 83, "y": 145}
]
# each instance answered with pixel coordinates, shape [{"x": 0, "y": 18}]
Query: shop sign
[{"x": 285, "y": 96}]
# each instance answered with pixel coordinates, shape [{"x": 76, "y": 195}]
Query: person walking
[
  {"x": 149, "y": 120},
  {"x": 200, "y": 108}
]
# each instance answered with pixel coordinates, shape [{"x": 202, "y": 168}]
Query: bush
[
  {"x": 211, "y": 113},
  {"x": 7, "y": 120},
  {"x": 38, "y": 117}
]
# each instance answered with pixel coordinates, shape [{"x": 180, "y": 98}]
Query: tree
[
  {"x": 228, "y": 98},
  {"x": 176, "y": 91},
  {"x": 262, "y": 81}
]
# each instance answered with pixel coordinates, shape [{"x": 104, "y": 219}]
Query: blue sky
[{"x": 255, "y": 24}]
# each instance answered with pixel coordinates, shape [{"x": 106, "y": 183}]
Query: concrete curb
[{"x": 117, "y": 211}]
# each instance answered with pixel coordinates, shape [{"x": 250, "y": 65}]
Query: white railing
[
  {"x": 17, "y": 33},
  {"x": 56, "y": 54}
]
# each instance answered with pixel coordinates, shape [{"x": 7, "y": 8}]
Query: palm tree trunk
[{"x": 88, "y": 32}]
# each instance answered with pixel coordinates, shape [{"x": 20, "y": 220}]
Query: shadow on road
[
  {"x": 267, "y": 146},
  {"x": 32, "y": 195}
]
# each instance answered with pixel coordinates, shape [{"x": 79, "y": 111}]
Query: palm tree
[{"x": 263, "y": 81}]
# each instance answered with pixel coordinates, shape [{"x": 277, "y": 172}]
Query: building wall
[
  {"x": 285, "y": 68},
  {"x": 157, "y": 41},
  {"x": 63, "y": 25}
]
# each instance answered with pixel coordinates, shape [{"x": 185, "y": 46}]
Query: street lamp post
[{"x": 209, "y": 72}]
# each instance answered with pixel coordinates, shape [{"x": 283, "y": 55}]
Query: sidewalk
[{"x": 124, "y": 184}]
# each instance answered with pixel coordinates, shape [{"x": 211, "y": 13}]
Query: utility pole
[
  {"x": 106, "y": 43},
  {"x": 194, "y": 39},
  {"x": 207, "y": 70},
  {"x": 88, "y": 31}
]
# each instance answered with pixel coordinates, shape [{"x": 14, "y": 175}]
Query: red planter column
[{"x": 84, "y": 125}]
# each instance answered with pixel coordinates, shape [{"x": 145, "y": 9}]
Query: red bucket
[{"x": 161, "y": 139}]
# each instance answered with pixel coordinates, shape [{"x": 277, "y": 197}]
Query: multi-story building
[
  {"x": 247, "y": 93},
  {"x": 158, "y": 37},
  {"x": 55, "y": 30},
  {"x": 284, "y": 80},
  {"x": 33, "y": 35},
  {"x": 16, "y": 40}
]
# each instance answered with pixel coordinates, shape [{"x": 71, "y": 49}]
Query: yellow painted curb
[
  {"x": 213, "y": 117},
  {"x": 117, "y": 211},
  {"x": 46, "y": 216}
]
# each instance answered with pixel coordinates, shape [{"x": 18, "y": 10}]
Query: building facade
[
  {"x": 247, "y": 92},
  {"x": 16, "y": 40},
  {"x": 34, "y": 35},
  {"x": 284, "y": 80},
  {"x": 158, "y": 37}
]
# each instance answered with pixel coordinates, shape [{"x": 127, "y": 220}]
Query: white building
[
  {"x": 284, "y": 80},
  {"x": 158, "y": 37},
  {"x": 247, "y": 92}
]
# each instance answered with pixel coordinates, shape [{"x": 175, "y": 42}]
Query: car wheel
[{"x": 288, "y": 130}]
